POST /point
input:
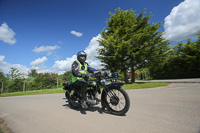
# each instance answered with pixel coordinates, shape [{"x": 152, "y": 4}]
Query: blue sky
[{"x": 47, "y": 34}]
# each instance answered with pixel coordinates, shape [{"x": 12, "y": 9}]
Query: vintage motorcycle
[{"x": 113, "y": 98}]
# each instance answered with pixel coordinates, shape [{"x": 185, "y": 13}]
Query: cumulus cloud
[
  {"x": 48, "y": 50},
  {"x": 91, "y": 50},
  {"x": 183, "y": 21},
  {"x": 78, "y": 34},
  {"x": 5, "y": 66},
  {"x": 39, "y": 63},
  {"x": 2, "y": 58},
  {"x": 7, "y": 34},
  {"x": 64, "y": 65}
]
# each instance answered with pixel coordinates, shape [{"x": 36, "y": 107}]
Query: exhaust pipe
[{"x": 92, "y": 102}]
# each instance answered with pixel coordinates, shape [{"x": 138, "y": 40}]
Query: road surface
[{"x": 171, "y": 109}]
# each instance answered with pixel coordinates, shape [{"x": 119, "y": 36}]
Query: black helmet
[{"x": 81, "y": 55}]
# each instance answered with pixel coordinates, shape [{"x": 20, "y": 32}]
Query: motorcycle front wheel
[{"x": 117, "y": 101}]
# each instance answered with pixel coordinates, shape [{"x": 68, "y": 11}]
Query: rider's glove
[{"x": 85, "y": 77}]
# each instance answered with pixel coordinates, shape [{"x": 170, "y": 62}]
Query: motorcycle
[{"x": 113, "y": 97}]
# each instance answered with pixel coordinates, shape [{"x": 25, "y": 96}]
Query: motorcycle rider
[{"x": 79, "y": 75}]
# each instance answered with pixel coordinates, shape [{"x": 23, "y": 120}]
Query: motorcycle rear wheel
[
  {"x": 67, "y": 94},
  {"x": 71, "y": 100},
  {"x": 117, "y": 101}
]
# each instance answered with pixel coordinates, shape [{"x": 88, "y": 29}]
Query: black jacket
[{"x": 75, "y": 69}]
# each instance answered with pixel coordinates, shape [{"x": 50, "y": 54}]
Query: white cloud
[
  {"x": 78, "y": 34},
  {"x": 48, "y": 49},
  {"x": 91, "y": 50},
  {"x": 2, "y": 58},
  {"x": 5, "y": 66},
  {"x": 7, "y": 34},
  {"x": 64, "y": 65},
  {"x": 39, "y": 63},
  {"x": 183, "y": 21}
]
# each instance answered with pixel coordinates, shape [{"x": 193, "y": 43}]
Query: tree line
[
  {"x": 182, "y": 61},
  {"x": 15, "y": 81}
]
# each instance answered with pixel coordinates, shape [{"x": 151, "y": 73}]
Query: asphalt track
[{"x": 171, "y": 109}]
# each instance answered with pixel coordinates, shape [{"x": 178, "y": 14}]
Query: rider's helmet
[{"x": 81, "y": 56}]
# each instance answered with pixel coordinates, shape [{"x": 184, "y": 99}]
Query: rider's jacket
[{"x": 78, "y": 69}]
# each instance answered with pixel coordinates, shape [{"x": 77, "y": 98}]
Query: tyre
[
  {"x": 73, "y": 102},
  {"x": 116, "y": 101},
  {"x": 67, "y": 95}
]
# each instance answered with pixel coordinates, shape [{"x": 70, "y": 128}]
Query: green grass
[
  {"x": 60, "y": 90},
  {"x": 35, "y": 92},
  {"x": 143, "y": 85}
]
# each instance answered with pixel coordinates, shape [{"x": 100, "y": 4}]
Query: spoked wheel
[
  {"x": 72, "y": 100},
  {"x": 117, "y": 101}
]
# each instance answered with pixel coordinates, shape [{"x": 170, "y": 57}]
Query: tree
[
  {"x": 3, "y": 80},
  {"x": 115, "y": 41},
  {"x": 45, "y": 80},
  {"x": 2, "y": 75},
  {"x": 147, "y": 44},
  {"x": 67, "y": 76},
  {"x": 32, "y": 73},
  {"x": 130, "y": 42},
  {"x": 15, "y": 80},
  {"x": 186, "y": 60},
  {"x": 14, "y": 73}
]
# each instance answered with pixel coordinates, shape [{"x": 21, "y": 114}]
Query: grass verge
[
  {"x": 142, "y": 85},
  {"x": 60, "y": 90},
  {"x": 35, "y": 92}
]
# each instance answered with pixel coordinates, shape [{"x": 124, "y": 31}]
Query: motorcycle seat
[{"x": 68, "y": 84}]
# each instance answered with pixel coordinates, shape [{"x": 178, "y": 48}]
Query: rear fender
[{"x": 67, "y": 86}]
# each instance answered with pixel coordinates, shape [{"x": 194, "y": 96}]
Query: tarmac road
[{"x": 171, "y": 109}]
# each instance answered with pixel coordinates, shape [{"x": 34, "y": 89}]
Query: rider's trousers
[{"x": 82, "y": 85}]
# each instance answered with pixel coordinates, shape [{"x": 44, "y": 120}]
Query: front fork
[
  {"x": 103, "y": 97},
  {"x": 111, "y": 94}
]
